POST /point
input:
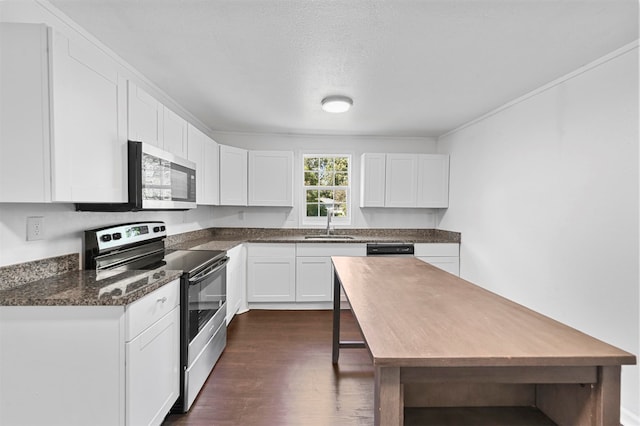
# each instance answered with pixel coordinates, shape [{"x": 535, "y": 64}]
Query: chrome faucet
[{"x": 329, "y": 214}]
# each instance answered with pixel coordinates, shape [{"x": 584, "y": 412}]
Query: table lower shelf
[{"x": 476, "y": 416}]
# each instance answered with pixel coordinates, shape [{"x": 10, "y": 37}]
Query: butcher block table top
[
  {"x": 419, "y": 322},
  {"x": 413, "y": 314}
]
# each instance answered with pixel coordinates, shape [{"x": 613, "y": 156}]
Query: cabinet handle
[{"x": 164, "y": 299}]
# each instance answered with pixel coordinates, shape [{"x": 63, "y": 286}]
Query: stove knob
[
  {"x": 162, "y": 228},
  {"x": 117, "y": 236},
  {"x": 105, "y": 238},
  {"x": 156, "y": 229}
]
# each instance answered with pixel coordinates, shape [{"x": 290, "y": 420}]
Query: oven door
[{"x": 207, "y": 293}]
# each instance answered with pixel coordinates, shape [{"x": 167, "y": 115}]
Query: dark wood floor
[{"x": 277, "y": 370}]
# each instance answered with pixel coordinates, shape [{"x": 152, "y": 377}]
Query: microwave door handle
[{"x": 199, "y": 277}]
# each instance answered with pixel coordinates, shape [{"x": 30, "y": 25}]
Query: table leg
[
  {"x": 389, "y": 404},
  {"x": 607, "y": 396},
  {"x": 336, "y": 318}
]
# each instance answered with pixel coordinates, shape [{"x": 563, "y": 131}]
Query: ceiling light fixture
[{"x": 336, "y": 104}]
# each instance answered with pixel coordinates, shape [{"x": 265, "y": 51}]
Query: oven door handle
[{"x": 206, "y": 273}]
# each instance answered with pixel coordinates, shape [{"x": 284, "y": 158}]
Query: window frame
[{"x": 322, "y": 220}]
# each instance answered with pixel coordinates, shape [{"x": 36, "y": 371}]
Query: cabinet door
[
  {"x": 433, "y": 180},
  {"x": 314, "y": 279},
  {"x": 271, "y": 279},
  {"x": 211, "y": 172},
  {"x": 204, "y": 152},
  {"x": 174, "y": 133},
  {"x": 233, "y": 176},
  {"x": 25, "y": 173},
  {"x": 270, "y": 178},
  {"x": 89, "y": 143},
  {"x": 372, "y": 182},
  {"x": 401, "y": 180},
  {"x": 145, "y": 116},
  {"x": 153, "y": 371},
  {"x": 233, "y": 283}
]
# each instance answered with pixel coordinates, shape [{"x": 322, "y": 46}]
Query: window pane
[
  {"x": 327, "y": 194},
  {"x": 341, "y": 164},
  {"x": 323, "y": 210},
  {"x": 340, "y": 210},
  {"x": 326, "y": 178},
  {"x": 310, "y": 179},
  {"x": 312, "y": 210},
  {"x": 325, "y": 163},
  {"x": 342, "y": 179},
  {"x": 312, "y": 196},
  {"x": 310, "y": 163},
  {"x": 340, "y": 196}
]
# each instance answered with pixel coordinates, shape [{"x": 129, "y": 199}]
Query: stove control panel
[{"x": 113, "y": 237}]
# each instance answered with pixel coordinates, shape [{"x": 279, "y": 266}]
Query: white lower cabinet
[
  {"x": 445, "y": 256},
  {"x": 294, "y": 275},
  {"x": 152, "y": 358},
  {"x": 271, "y": 273},
  {"x": 313, "y": 279},
  {"x": 90, "y": 365},
  {"x": 236, "y": 281}
]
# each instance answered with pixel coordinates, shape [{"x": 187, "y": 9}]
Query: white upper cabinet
[
  {"x": 63, "y": 119},
  {"x": 151, "y": 122},
  {"x": 404, "y": 180},
  {"x": 401, "y": 180},
  {"x": 233, "y": 176},
  {"x": 204, "y": 152},
  {"x": 88, "y": 106},
  {"x": 372, "y": 170},
  {"x": 433, "y": 180},
  {"x": 174, "y": 134},
  {"x": 145, "y": 116},
  {"x": 270, "y": 178},
  {"x": 24, "y": 114}
]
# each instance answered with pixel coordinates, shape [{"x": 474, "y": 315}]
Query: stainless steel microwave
[{"x": 157, "y": 180}]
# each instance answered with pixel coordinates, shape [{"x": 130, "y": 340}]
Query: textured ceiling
[{"x": 417, "y": 68}]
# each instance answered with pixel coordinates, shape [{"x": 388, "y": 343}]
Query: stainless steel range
[{"x": 203, "y": 305}]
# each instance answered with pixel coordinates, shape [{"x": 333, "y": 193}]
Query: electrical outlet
[{"x": 35, "y": 228}]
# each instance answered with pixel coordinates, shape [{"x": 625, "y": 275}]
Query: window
[{"x": 326, "y": 187}]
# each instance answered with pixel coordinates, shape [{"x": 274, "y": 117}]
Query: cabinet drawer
[
  {"x": 437, "y": 249},
  {"x": 272, "y": 250},
  {"x": 330, "y": 249},
  {"x": 144, "y": 312}
]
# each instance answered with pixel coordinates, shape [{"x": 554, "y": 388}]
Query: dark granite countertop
[
  {"x": 58, "y": 282},
  {"x": 227, "y": 238},
  {"x": 88, "y": 288}
]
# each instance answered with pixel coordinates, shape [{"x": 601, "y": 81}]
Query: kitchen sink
[{"x": 329, "y": 237}]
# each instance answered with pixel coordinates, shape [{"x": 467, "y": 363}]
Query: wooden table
[{"x": 440, "y": 342}]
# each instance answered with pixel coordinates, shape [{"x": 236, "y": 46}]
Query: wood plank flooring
[{"x": 277, "y": 370}]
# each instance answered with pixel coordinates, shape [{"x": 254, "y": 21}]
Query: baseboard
[
  {"x": 291, "y": 306},
  {"x": 627, "y": 418}
]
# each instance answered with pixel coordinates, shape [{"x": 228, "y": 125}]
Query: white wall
[
  {"x": 545, "y": 193},
  {"x": 299, "y": 144}
]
